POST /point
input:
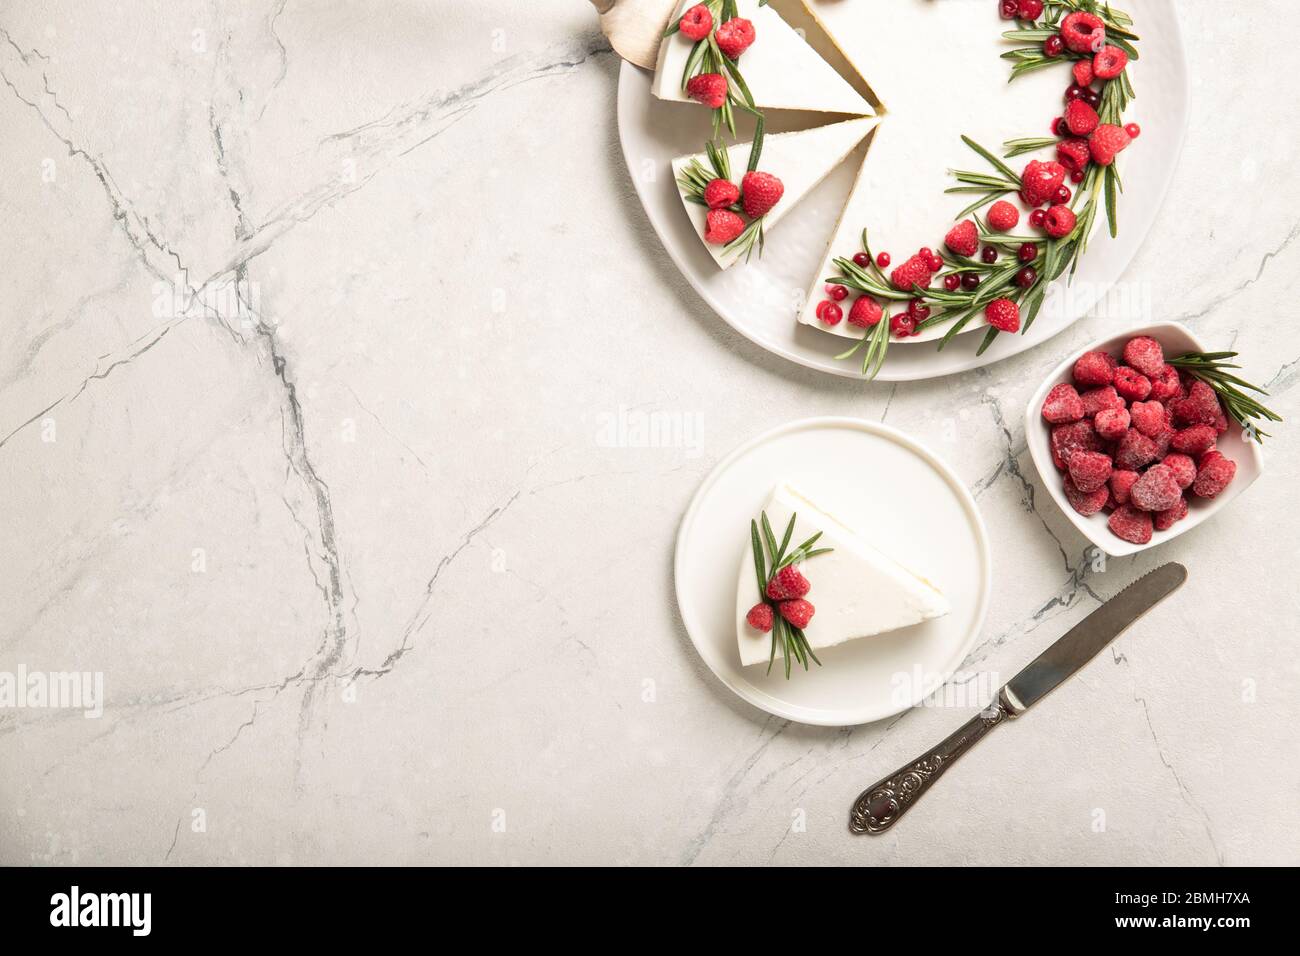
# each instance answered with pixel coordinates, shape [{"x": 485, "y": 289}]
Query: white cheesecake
[
  {"x": 857, "y": 589},
  {"x": 800, "y": 160},
  {"x": 781, "y": 70}
]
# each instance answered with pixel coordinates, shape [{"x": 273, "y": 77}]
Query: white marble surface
[{"x": 371, "y": 572}]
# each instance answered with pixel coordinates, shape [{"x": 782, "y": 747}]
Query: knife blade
[{"x": 879, "y": 806}]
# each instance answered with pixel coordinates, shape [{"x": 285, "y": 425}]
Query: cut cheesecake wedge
[
  {"x": 858, "y": 590},
  {"x": 781, "y": 70},
  {"x": 801, "y": 160}
]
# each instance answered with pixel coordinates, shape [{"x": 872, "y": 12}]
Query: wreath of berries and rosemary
[
  {"x": 983, "y": 266},
  {"x": 712, "y": 76},
  {"x": 783, "y": 608}
]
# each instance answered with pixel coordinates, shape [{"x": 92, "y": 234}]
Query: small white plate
[
  {"x": 876, "y": 478},
  {"x": 1175, "y": 339},
  {"x": 758, "y": 299}
]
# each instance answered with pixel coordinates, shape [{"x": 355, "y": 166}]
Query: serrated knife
[{"x": 879, "y": 806}]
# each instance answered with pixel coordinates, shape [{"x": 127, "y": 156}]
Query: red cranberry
[
  {"x": 1053, "y": 46},
  {"x": 1060, "y": 127},
  {"x": 830, "y": 313},
  {"x": 989, "y": 255},
  {"x": 883, "y": 260},
  {"x": 1029, "y": 9},
  {"x": 1133, "y": 130},
  {"x": 1075, "y": 92},
  {"x": 918, "y": 310},
  {"x": 936, "y": 262},
  {"x": 1037, "y": 218},
  {"x": 902, "y": 325},
  {"x": 1028, "y": 252},
  {"x": 1063, "y": 194},
  {"x": 1092, "y": 97},
  {"x": 1026, "y": 277},
  {"x": 926, "y": 253},
  {"x": 1076, "y": 176},
  {"x": 951, "y": 282},
  {"x": 1007, "y": 9},
  {"x": 970, "y": 281},
  {"x": 837, "y": 292},
  {"x": 861, "y": 259}
]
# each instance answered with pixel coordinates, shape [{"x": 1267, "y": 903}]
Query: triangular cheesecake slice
[
  {"x": 858, "y": 590},
  {"x": 801, "y": 160},
  {"x": 781, "y": 70}
]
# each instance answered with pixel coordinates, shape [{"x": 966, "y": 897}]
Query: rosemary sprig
[
  {"x": 792, "y": 641},
  {"x": 707, "y": 57},
  {"x": 1213, "y": 369}
]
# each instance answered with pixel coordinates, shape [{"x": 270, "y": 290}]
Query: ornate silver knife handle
[{"x": 879, "y": 806}]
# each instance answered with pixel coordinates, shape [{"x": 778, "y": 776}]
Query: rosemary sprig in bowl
[
  {"x": 1212, "y": 368},
  {"x": 794, "y": 645}
]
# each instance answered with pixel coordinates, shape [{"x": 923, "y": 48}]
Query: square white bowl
[{"x": 1175, "y": 339}]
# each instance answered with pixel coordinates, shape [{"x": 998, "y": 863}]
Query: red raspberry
[
  {"x": 1081, "y": 118},
  {"x": 1136, "y": 451},
  {"x": 1090, "y": 470},
  {"x": 865, "y": 312},
  {"x": 829, "y": 313},
  {"x": 1156, "y": 490},
  {"x": 1003, "y": 315},
  {"x": 963, "y": 238},
  {"x": 721, "y": 226},
  {"x": 1145, "y": 354},
  {"x": 708, "y": 88},
  {"x": 1061, "y": 221},
  {"x": 1183, "y": 467},
  {"x": 788, "y": 583},
  {"x": 1074, "y": 154},
  {"x": 760, "y": 617},
  {"x": 1200, "y": 407},
  {"x": 1067, "y": 439},
  {"x": 721, "y": 193},
  {"x": 1164, "y": 520},
  {"x": 1195, "y": 440},
  {"x": 762, "y": 191},
  {"x": 1165, "y": 384},
  {"x": 1029, "y": 9},
  {"x": 1132, "y": 384},
  {"x": 696, "y": 22},
  {"x": 1121, "y": 483},
  {"x": 1083, "y": 73},
  {"x": 1215, "y": 474},
  {"x": 1098, "y": 399},
  {"x": 1092, "y": 368},
  {"x": 1111, "y": 423},
  {"x": 1003, "y": 216},
  {"x": 1040, "y": 181},
  {"x": 1109, "y": 63},
  {"x": 1130, "y": 524},
  {"x": 1106, "y": 142},
  {"x": 1087, "y": 503},
  {"x": 1150, "y": 418},
  {"x": 734, "y": 37},
  {"x": 1062, "y": 404},
  {"x": 914, "y": 272},
  {"x": 798, "y": 612},
  {"x": 1083, "y": 32}
]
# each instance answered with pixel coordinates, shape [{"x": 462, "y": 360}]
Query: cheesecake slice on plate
[{"x": 857, "y": 589}]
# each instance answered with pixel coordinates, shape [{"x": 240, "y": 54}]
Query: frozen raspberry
[
  {"x": 1062, "y": 404},
  {"x": 1083, "y": 32},
  {"x": 1130, "y": 524},
  {"x": 1121, "y": 483},
  {"x": 1131, "y": 384},
  {"x": 1164, "y": 520},
  {"x": 1165, "y": 384},
  {"x": 696, "y": 22},
  {"x": 1085, "y": 502},
  {"x": 1040, "y": 181},
  {"x": 865, "y": 312},
  {"x": 734, "y": 37},
  {"x": 1074, "y": 154},
  {"x": 1090, "y": 470},
  {"x": 1145, "y": 354},
  {"x": 1083, "y": 73},
  {"x": 1156, "y": 490},
  {"x": 1029, "y": 9},
  {"x": 760, "y": 617},
  {"x": 1213, "y": 475},
  {"x": 721, "y": 193},
  {"x": 1060, "y": 221},
  {"x": 1111, "y": 423},
  {"x": 762, "y": 191},
  {"x": 1200, "y": 407},
  {"x": 1183, "y": 467},
  {"x": 721, "y": 226},
  {"x": 798, "y": 612},
  {"x": 788, "y": 583},
  {"x": 1135, "y": 451},
  {"x": 1109, "y": 63},
  {"x": 1099, "y": 399},
  {"x": 1092, "y": 368},
  {"x": 1081, "y": 118},
  {"x": 1003, "y": 315},
  {"x": 1150, "y": 418},
  {"x": 963, "y": 238},
  {"x": 914, "y": 272},
  {"x": 1003, "y": 216},
  {"x": 1107, "y": 142},
  {"x": 708, "y": 88},
  {"x": 1067, "y": 439}
]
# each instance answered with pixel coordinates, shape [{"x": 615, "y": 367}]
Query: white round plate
[
  {"x": 873, "y": 477},
  {"x": 757, "y": 299}
]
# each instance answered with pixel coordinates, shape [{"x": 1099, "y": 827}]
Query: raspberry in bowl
[{"x": 1131, "y": 452}]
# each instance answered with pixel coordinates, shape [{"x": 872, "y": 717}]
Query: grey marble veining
[{"x": 317, "y": 322}]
